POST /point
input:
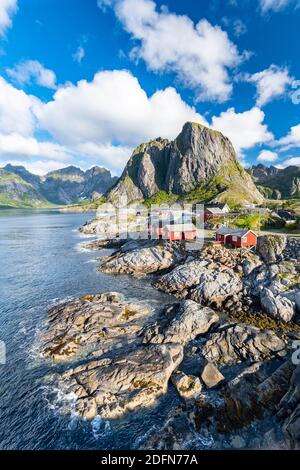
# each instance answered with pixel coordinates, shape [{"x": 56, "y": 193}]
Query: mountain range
[
  {"x": 277, "y": 183},
  {"x": 70, "y": 185}
]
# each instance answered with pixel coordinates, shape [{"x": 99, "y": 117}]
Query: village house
[
  {"x": 236, "y": 237},
  {"x": 212, "y": 211},
  {"x": 179, "y": 231}
]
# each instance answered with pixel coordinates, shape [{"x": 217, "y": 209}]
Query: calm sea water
[{"x": 41, "y": 264}]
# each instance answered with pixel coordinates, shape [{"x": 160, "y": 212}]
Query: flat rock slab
[
  {"x": 114, "y": 385},
  {"x": 93, "y": 321}
]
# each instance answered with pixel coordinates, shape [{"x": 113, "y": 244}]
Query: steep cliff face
[
  {"x": 200, "y": 163},
  {"x": 275, "y": 182}
]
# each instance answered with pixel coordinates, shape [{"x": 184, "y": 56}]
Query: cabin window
[
  {"x": 244, "y": 239},
  {"x": 234, "y": 238}
]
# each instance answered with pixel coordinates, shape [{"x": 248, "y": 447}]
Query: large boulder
[
  {"x": 270, "y": 247},
  {"x": 181, "y": 323},
  {"x": 277, "y": 306},
  {"x": 122, "y": 382},
  {"x": 294, "y": 296},
  {"x": 211, "y": 376},
  {"x": 234, "y": 343},
  {"x": 188, "y": 386}
]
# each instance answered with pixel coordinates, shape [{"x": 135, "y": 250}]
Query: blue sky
[{"x": 84, "y": 81}]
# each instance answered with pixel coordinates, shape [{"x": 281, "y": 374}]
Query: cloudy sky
[{"x": 83, "y": 82}]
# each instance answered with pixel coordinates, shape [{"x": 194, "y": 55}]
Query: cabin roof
[
  {"x": 233, "y": 231},
  {"x": 180, "y": 227},
  {"x": 214, "y": 210}
]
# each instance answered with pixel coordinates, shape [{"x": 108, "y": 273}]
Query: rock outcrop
[
  {"x": 277, "y": 306},
  {"x": 123, "y": 382},
  {"x": 270, "y": 247},
  {"x": 199, "y": 158},
  {"x": 180, "y": 323},
  {"x": 234, "y": 343},
  {"x": 202, "y": 283},
  {"x": 289, "y": 409},
  {"x": 211, "y": 376},
  {"x": 93, "y": 322},
  {"x": 147, "y": 257}
]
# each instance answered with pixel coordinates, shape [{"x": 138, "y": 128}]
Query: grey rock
[
  {"x": 277, "y": 306},
  {"x": 120, "y": 383},
  {"x": 151, "y": 257},
  {"x": 270, "y": 247},
  {"x": 182, "y": 323},
  {"x": 234, "y": 343},
  {"x": 289, "y": 409},
  {"x": 188, "y": 386},
  {"x": 92, "y": 322},
  {"x": 211, "y": 376},
  {"x": 210, "y": 285}
]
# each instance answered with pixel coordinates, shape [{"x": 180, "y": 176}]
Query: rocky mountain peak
[{"x": 199, "y": 158}]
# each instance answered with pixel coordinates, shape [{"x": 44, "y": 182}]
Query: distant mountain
[
  {"x": 199, "y": 164},
  {"x": 277, "y": 183},
  {"x": 70, "y": 185},
  {"x": 16, "y": 192}
]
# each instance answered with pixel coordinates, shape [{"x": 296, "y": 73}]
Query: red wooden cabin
[
  {"x": 180, "y": 232},
  {"x": 236, "y": 237}
]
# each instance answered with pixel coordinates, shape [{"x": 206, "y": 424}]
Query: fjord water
[{"x": 40, "y": 265}]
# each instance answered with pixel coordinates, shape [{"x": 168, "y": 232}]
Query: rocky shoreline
[{"x": 225, "y": 344}]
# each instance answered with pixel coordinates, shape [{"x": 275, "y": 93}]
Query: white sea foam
[{"x": 100, "y": 427}]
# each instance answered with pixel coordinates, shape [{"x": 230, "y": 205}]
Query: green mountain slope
[{"x": 18, "y": 193}]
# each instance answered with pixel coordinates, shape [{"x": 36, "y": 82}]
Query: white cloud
[
  {"x": 7, "y": 10},
  {"x": 270, "y": 83},
  {"x": 31, "y": 71},
  {"x": 292, "y": 139},
  {"x": 97, "y": 122},
  {"x": 267, "y": 156},
  {"x": 201, "y": 55},
  {"x": 114, "y": 109},
  {"x": 294, "y": 161},
  {"x": 17, "y": 110},
  {"x": 37, "y": 167},
  {"x": 16, "y": 144},
  {"x": 274, "y": 5},
  {"x": 79, "y": 54},
  {"x": 111, "y": 156},
  {"x": 245, "y": 130}
]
